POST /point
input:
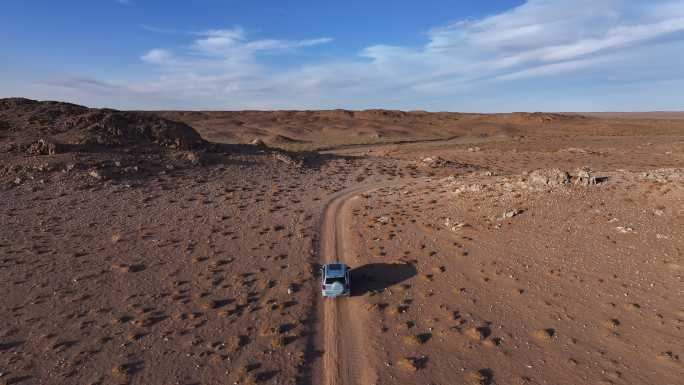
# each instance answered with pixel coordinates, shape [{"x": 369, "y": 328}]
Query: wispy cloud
[
  {"x": 227, "y": 42},
  {"x": 158, "y": 56},
  {"x": 541, "y": 39},
  {"x": 151, "y": 28},
  {"x": 85, "y": 83}
]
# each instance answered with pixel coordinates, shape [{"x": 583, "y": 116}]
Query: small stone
[
  {"x": 512, "y": 213},
  {"x": 384, "y": 220}
]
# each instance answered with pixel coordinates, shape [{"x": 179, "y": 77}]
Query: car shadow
[{"x": 379, "y": 276}]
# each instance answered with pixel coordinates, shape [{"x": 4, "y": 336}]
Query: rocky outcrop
[
  {"x": 32, "y": 121},
  {"x": 43, "y": 147},
  {"x": 549, "y": 178},
  {"x": 664, "y": 175},
  {"x": 115, "y": 128}
]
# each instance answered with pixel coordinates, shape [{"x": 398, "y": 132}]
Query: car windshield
[{"x": 329, "y": 281}]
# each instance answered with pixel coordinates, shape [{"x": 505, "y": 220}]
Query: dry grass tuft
[
  {"x": 545, "y": 334},
  {"x": 412, "y": 340},
  {"x": 612, "y": 323},
  {"x": 278, "y": 342},
  {"x": 408, "y": 364},
  {"x": 478, "y": 333},
  {"x": 481, "y": 377}
]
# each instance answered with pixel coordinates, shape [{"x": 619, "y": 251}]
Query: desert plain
[{"x": 175, "y": 247}]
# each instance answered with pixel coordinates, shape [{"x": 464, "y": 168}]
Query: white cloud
[
  {"x": 541, "y": 39},
  {"x": 556, "y": 68},
  {"x": 225, "y": 42},
  {"x": 158, "y": 56}
]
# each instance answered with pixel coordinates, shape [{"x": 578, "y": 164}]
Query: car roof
[{"x": 335, "y": 269}]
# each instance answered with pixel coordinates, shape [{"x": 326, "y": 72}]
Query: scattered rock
[
  {"x": 511, "y": 213},
  {"x": 454, "y": 225},
  {"x": 670, "y": 356},
  {"x": 472, "y": 188},
  {"x": 624, "y": 230},
  {"x": 195, "y": 158},
  {"x": 96, "y": 174},
  {"x": 584, "y": 177},
  {"x": 43, "y": 147},
  {"x": 575, "y": 150},
  {"x": 384, "y": 220},
  {"x": 258, "y": 142},
  {"x": 664, "y": 175},
  {"x": 434, "y": 161},
  {"x": 549, "y": 178},
  {"x": 287, "y": 159}
]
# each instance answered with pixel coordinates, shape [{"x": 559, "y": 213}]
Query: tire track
[{"x": 344, "y": 361}]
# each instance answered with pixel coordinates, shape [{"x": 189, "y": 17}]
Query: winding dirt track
[{"x": 345, "y": 360}]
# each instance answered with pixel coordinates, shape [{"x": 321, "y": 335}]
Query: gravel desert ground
[{"x": 184, "y": 247}]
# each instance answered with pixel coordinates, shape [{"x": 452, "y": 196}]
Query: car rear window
[
  {"x": 335, "y": 266},
  {"x": 329, "y": 281}
]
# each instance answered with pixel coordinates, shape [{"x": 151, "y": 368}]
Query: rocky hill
[{"x": 24, "y": 122}]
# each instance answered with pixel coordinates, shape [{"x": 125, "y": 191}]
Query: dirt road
[{"x": 344, "y": 361}]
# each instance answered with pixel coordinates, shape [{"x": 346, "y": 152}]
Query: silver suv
[{"x": 336, "y": 280}]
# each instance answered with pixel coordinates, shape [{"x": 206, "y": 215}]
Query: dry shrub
[
  {"x": 545, "y": 334},
  {"x": 412, "y": 340},
  {"x": 407, "y": 364}
]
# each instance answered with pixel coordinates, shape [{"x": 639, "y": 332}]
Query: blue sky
[{"x": 536, "y": 55}]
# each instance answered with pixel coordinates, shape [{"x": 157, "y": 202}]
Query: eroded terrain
[{"x": 521, "y": 248}]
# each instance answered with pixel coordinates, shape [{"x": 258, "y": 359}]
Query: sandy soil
[{"x": 134, "y": 251}]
